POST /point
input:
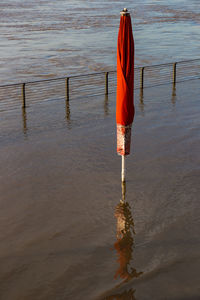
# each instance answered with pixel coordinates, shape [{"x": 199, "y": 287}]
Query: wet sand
[{"x": 60, "y": 199}]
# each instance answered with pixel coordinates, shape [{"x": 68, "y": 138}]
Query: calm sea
[{"x": 41, "y": 39}]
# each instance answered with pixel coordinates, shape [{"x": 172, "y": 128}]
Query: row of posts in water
[
  {"x": 69, "y": 116},
  {"x": 67, "y": 85}
]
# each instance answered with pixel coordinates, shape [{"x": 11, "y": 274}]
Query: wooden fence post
[
  {"x": 106, "y": 83},
  {"x": 142, "y": 78},
  {"x": 174, "y": 73},
  {"x": 23, "y": 96},
  {"x": 67, "y": 88}
]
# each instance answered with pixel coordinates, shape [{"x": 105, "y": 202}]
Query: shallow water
[
  {"x": 60, "y": 211},
  {"x": 42, "y": 39}
]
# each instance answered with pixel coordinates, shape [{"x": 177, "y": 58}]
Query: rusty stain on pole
[
  {"x": 23, "y": 96},
  {"x": 106, "y": 83},
  {"x": 67, "y": 88},
  {"x": 174, "y": 73},
  {"x": 142, "y": 78}
]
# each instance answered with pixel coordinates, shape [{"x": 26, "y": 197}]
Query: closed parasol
[{"x": 125, "y": 86}]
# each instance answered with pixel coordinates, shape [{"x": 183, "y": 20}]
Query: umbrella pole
[{"x": 123, "y": 168}]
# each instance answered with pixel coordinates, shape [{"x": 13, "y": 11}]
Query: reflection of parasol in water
[
  {"x": 125, "y": 239},
  {"x": 126, "y": 295},
  {"x": 125, "y": 80},
  {"x": 124, "y": 247}
]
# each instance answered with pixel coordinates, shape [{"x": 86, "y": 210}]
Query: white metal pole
[{"x": 123, "y": 168}]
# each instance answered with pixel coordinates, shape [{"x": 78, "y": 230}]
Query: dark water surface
[
  {"x": 60, "y": 210},
  {"x": 47, "y": 38}
]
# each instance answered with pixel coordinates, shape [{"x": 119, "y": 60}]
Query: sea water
[{"x": 45, "y": 39}]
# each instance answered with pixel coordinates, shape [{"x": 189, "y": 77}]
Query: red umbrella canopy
[{"x": 125, "y": 71}]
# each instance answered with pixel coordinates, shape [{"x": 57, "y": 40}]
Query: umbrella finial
[{"x": 124, "y": 12}]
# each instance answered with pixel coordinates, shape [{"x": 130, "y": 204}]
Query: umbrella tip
[{"x": 124, "y": 12}]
